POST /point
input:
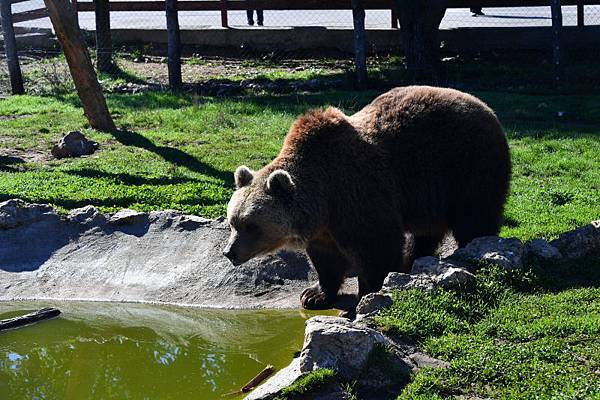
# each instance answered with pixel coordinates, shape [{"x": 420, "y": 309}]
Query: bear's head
[{"x": 260, "y": 214}]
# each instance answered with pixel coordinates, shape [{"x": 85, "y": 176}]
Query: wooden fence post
[
  {"x": 557, "y": 24},
  {"x": 103, "y": 36},
  {"x": 580, "y": 14},
  {"x": 75, "y": 11},
  {"x": 224, "y": 21},
  {"x": 73, "y": 46},
  {"x": 10, "y": 47},
  {"x": 174, "y": 45},
  {"x": 358, "y": 14}
]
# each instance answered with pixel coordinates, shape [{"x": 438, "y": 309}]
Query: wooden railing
[{"x": 235, "y": 5}]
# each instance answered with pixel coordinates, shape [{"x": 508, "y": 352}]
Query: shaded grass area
[
  {"x": 178, "y": 151},
  {"x": 511, "y": 335}
]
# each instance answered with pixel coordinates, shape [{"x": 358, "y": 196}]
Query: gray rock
[
  {"x": 372, "y": 303},
  {"x": 128, "y": 217},
  {"x": 74, "y": 144},
  {"x": 82, "y": 257},
  {"x": 579, "y": 243},
  {"x": 542, "y": 250},
  {"x": 330, "y": 342},
  {"x": 506, "y": 253},
  {"x": 396, "y": 280},
  {"x": 86, "y": 215},
  {"x": 273, "y": 386},
  {"x": 423, "y": 360},
  {"x": 16, "y": 212},
  {"x": 337, "y": 343},
  {"x": 454, "y": 276},
  {"x": 430, "y": 266},
  {"x": 191, "y": 222}
]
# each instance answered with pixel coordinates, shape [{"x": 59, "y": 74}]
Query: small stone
[
  {"x": 506, "y": 253},
  {"x": 86, "y": 215},
  {"x": 396, "y": 280},
  {"x": 128, "y": 217},
  {"x": 372, "y": 303},
  {"x": 422, "y": 360},
  {"x": 542, "y": 250},
  {"x": 430, "y": 265},
  {"x": 74, "y": 144},
  {"x": 191, "y": 222},
  {"x": 16, "y": 212},
  {"x": 454, "y": 277},
  {"x": 579, "y": 243}
]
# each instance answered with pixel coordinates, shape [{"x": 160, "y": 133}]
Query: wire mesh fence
[{"x": 139, "y": 43}]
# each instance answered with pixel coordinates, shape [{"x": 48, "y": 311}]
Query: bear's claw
[{"x": 313, "y": 298}]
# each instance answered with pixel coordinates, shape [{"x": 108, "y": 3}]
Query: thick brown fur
[{"x": 418, "y": 159}]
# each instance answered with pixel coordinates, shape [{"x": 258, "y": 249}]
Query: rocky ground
[
  {"x": 169, "y": 257},
  {"x": 162, "y": 257}
]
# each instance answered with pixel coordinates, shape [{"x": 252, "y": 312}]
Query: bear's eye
[{"x": 252, "y": 228}]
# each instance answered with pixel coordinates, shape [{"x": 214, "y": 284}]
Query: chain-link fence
[{"x": 282, "y": 44}]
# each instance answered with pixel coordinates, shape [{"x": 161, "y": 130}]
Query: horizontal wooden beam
[
  {"x": 30, "y": 15},
  {"x": 214, "y": 5}
]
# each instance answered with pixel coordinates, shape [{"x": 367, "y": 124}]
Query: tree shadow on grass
[
  {"x": 129, "y": 179},
  {"x": 7, "y": 162},
  {"x": 172, "y": 155}
]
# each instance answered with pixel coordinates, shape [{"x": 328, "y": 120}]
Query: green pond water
[{"x": 132, "y": 351}]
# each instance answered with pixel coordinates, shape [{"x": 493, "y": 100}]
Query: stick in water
[
  {"x": 40, "y": 315},
  {"x": 257, "y": 380}
]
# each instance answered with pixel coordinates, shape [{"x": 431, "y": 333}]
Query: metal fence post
[
  {"x": 174, "y": 45},
  {"x": 10, "y": 47}
]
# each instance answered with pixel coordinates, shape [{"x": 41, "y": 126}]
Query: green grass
[
  {"x": 313, "y": 380},
  {"x": 178, "y": 151},
  {"x": 508, "y": 336}
]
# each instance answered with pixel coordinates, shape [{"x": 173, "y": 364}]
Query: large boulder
[
  {"x": 74, "y": 144},
  {"x": 339, "y": 344}
]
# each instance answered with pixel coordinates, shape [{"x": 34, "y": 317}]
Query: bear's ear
[
  {"x": 280, "y": 181},
  {"x": 243, "y": 176}
]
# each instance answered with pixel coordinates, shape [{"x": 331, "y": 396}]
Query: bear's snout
[{"x": 231, "y": 255}]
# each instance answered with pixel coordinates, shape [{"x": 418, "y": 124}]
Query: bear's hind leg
[
  {"x": 331, "y": 266},
  {"x": 426, "y": 246},
  {"x": 478, "y": 223}
]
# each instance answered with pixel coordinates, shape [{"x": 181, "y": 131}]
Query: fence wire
[{"x": 144, "y": 62}]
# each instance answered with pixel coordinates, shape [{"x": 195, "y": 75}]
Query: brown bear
[{"x": 418, "y": 160}]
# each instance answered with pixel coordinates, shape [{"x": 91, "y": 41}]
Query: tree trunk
[
  {"x": 419, "y": 25},
  {"x": 80, "y": 64},
  {"x": 103, "y": 37},
  {"x": 358, "y": 13},
  {"x": 10, "y": 47}
]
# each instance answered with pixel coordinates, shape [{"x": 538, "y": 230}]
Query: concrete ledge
[{"x": 305, "y": 39}]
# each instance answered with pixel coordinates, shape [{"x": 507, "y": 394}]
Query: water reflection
[{"x": 115, "y": 351}]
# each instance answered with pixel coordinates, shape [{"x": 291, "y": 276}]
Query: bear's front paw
[{"x": 313, "y": 298}]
